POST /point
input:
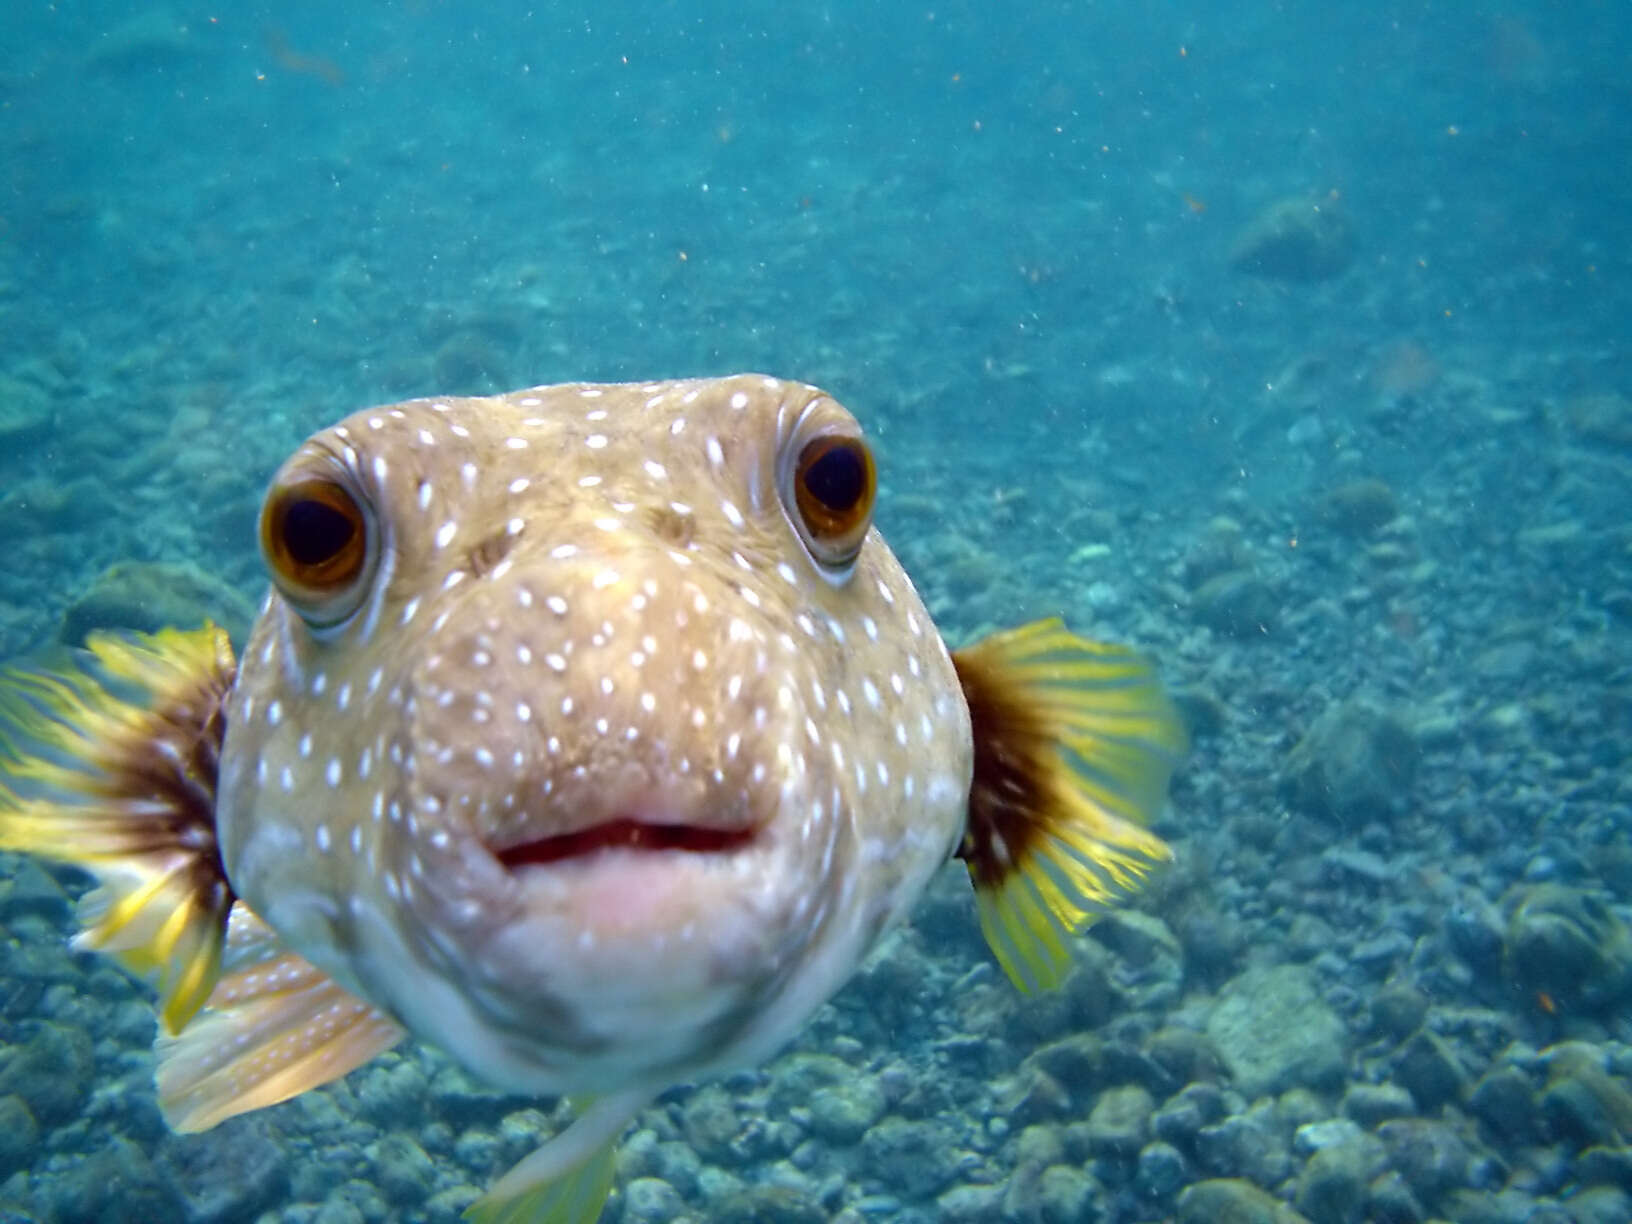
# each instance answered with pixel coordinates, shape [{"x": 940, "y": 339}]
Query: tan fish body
[{"x": 590, "y": 733}]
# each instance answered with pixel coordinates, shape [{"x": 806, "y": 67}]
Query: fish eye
[
  {"x": 833, "y": 487},
  {"x": 314, "y": 536}
]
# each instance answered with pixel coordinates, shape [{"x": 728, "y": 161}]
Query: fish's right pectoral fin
[
  {"x": 1074, "y": 743},
  {"x": 110, "y": 764},
  {"x": 566, "y": 1181},
  {"x": 274, "y": 1027}
]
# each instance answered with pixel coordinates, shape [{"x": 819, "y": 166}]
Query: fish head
[{"x": 592, "y": 731}]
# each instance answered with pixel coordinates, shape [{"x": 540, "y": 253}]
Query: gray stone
[
  {"x": 1369, "y": 1104},
  {"x": 769, "y": 1203},
  {"x": 18, "y": 1135},
  {"x": 842, "y": 1114},
  {"x": 1390, "y": 1201},
  {"x": 1274, "y": 1031},
  {"x": 1068, "y": 1195},
  {"x": 153, "y": 595},
  {"x": 115, "y": 1183},
  {"x": 1398, "y": 1010},
  {"x": 1569, "y": 945},
  {"x": 919, "y": 1158},
  {"x": 1120, "y": 1121},
  {"x": 1296, "y": 239},
  {"x": 1356, "y": 765},
  {"x": 402, "y": 1170},
  {"x": 1610, "y": 1166},
  {"x": 1160, "y": 1171},
  {"x": 1505, "y": 1101},
  {"x": 392, "y": 1093},
  {"x": 1331, "y": 1187},
  {"x": 232, "y": 1173},
  {"x": 1075, "y": 1063},
  {"x": 1600, "y": 1205},
  {"x": 710, "y": 1124},
  {"x": 1485, "y": 1207},
  {"x": 1248, "y": 1145},
  {"x": 1233, "y": 1201},
  {"x": 650, "y": 1200},
  {"x": 1431, "y": 1157},
  {"x": 1359, "y": 507},
  {"x": 1239, "y": 604},
  {"x": 1430, "y": 1070},
  {"x": 1186, "y": 1112},
  {"x": 1313, "y": 1137},
  {"x": 971, "y": 1205},
  {"x": 50, "y": 1069}
]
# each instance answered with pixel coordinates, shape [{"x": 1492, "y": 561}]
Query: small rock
[
  {"x": 1604, "y": 1165},
  {"x": 25, "y": 412},
  {"x": 1370, "y": 1104},
  {"x": 709, "y": 1122},
  {"x": 1430, "y": 1070},
  {"x": 1567, "y": 944},
  {"x": 1504, "y": 1101},
  {"x": 1397, "y": 1010},
  {"x": 1331, "y": 1187},
  {"x": 1239, "y": 604},
  {"x": 650, "y": 1200},
  {"x": 1431, "y": 1157},
  {"x": 920, "y": 1158},
  {"x": 1582, "y": 1103},
  {"x": 766, "y": 1204},
  {"x": 1359, "y": 507},
  {"x": 1248, "y": 1145},
  {"x": 1602, "y": 417},
  {"x": 1296, "y": 239},
  {"x": 1274, "y": 1031},
  {"x": 971, "y": 1205},
  {"x": 116, "y": 1183},
  {"x": 1311, "y": 1137},
  {"x": 1182, "y": 1116},
  {"x": 1355, "y": 765},
  {"x": 1160, "y": 1171},
  {"x": 1390, "y": 1201},
  {"x": 843, "y": 1114},
  {"x": 1068, "y": 1195},
  {"x": 403, "y": 1171},
  {"x": 18, "y": 1135},
  {"x": 149, "y": 596},
  {"x": 1598, "y": 1205},
  {"x": 1233, "y": 1201},
  {"x": 50, "y": 1070},
  {"x": 1120, "y": 1121}
]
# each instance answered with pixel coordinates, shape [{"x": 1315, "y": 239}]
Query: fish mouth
[{"x": 622, "y": 833}]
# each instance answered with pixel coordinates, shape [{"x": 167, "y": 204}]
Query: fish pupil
[
  {"x": 837, "y": 479},
  {"x": 314, "y": 532}
]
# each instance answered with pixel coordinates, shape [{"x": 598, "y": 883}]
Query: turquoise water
[{"x": 1286, "y": 342}]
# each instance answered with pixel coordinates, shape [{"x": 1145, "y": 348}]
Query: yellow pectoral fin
[
  {"x": 110, "y": 764},
  {"x": 273, "y": 1027},
  {"x": 568, "y": 1179},
  {"x": 1074, "y": 743}
]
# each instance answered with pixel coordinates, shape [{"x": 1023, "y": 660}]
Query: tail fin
[
  {"x": 1074, "y": 743},
  {"x": 113, "y": 769}
]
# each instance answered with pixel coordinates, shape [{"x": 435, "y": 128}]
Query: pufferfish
[{"x": 590, "y": 733}]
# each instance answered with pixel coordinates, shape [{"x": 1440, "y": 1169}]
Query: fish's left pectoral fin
[
  {"x": 566, "y": 1181},
  {"x": 274, "y": 1026},
  {"x": 109, "y": 763},
  {"x": 1074, "y": 742}
]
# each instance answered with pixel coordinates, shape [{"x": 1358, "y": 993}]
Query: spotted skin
[{"x": 585, "y": 604}]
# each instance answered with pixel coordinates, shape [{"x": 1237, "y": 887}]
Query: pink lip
[{"x": 623, "y": 833}]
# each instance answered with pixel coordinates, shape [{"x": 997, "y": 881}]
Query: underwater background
[{"x": 1285, "y": 341}]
